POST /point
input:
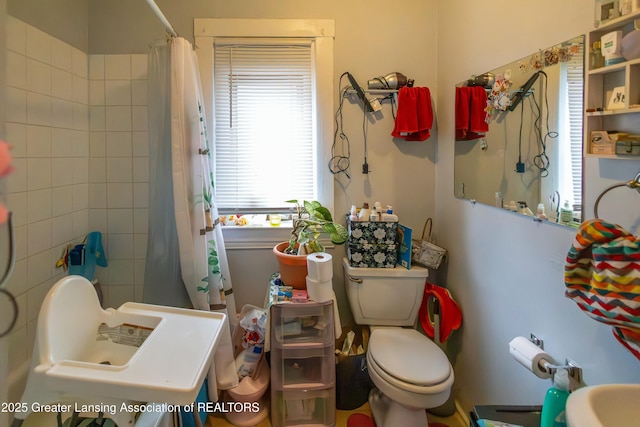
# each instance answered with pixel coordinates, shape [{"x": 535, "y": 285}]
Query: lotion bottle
[
  {"x": 555, "y": 401},
  {"x": 566, "y": 213},
  {"x": 364, "y": 213},
  {"x": 353, "y": 216}
]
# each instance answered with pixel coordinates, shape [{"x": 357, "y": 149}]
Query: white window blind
[
  {"x": 575, "y": 86},
  {"x": 265, "y": 137}
]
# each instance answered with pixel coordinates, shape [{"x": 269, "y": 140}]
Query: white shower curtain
[{"x": 185, "y": 186}]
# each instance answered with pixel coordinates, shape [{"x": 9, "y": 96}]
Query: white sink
[{"x": 607, "y": 405}]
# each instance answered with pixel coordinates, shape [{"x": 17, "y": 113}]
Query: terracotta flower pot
[{"x": 293, "y": 268}]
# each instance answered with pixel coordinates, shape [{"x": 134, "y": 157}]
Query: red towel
[
  {"x": 415, "y": 114},
  {"x": 470, "y": 114}
]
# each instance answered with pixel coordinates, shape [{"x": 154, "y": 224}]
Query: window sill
[{"x": 257, "y": 234}]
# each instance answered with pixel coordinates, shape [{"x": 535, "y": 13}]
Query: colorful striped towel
[{"x": 602, "y": 275}]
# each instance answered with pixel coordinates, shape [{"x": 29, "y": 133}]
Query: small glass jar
[{"x": 596, "y": 59}]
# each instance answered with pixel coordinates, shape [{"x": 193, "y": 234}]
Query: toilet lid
[{"x": 409, "y": 356}]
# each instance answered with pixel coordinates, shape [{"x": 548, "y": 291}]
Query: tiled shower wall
[
  {"x": 78, "y": 129},
  {"x": 119, "y": 171}
]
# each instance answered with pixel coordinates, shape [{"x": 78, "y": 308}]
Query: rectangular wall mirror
[{"x": 519, "y": 134}]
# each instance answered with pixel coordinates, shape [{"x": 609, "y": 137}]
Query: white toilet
[{"x": 411, "y": 373}]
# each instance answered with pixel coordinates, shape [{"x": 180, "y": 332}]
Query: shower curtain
[{"x": 186, "y": 257}]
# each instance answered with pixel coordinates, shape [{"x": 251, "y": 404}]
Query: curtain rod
[{"x": 152, "y": 4}]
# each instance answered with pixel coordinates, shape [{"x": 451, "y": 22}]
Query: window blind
[
  {"x": 264, "y": 130},
  {"x": 575, "y": 85}
]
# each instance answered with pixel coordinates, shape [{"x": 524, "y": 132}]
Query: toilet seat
[{"x": 423, "y": 367}]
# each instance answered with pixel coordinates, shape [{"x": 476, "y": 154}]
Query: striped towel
[{"x": 602, "y": 275}]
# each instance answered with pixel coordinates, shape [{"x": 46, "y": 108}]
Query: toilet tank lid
[
  {"x": 398, "y": 271},
  {"x": 409, "y": 356}
]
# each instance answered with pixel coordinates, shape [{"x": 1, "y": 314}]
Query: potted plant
[{"x": 310, "y": 221}]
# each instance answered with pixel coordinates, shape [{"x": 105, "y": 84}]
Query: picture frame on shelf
[
  {"x": 606, "y": 10},
  {"x": 617, "y": 99}
]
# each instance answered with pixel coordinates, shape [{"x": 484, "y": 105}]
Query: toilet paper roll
[
  {"x": 319, "y": 291},
  {"x": 530, "y": 356},
  {"x": 320, "y": 266}
]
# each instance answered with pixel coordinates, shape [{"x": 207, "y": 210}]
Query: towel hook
[{"x": 634, "y": 184}]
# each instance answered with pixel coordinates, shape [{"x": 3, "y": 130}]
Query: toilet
[{"x": 410, "y": 372}]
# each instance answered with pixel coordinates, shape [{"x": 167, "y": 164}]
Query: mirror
[{"x": 519, "y": 135}]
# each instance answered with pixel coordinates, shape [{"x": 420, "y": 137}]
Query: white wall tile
[
  {"x": 119, "y": 144},
  {"x": 62, "y": 229},
  {"x": 96, "y": 67},
  {"x": 139, "y": 92},
  {"x": 61, "y": 142},
  {"x": 139, "y": 66},
  {"x": 80, "y": 170},
  {"x": 62, "y": 200},
  {"x": 139, "y": 246},
  {"x": 97, "y": 169},
  {"x": 17, "y": 340},
  {"x": 79, "y": 63},
  {"x": 61, "y": 113},
  {"x": 118, "y": 118},
  {"x": 17, "y": 181},
  {"x": 96, "y": 92},
  {"x": 80, "y": 143},
  {"x": 62, "y": 171},
  {"x": 118, "y": 295},
  {"x": 38, "y": 109},
  {"x": 80, "y": 197},
  {"x": 140, "y": 144},
  {"x": 141, "y": 195},
  {"x": 139, "y": 118},
  {"x": 98, "y": 219},
  {"x": 120, "y": 247},
  {"x": 80, "y": 90},
  {"x": 18, "y": 204},
  {"x": 119, "y": 195},
  {"x": 121, "y": 272},
  {"x": 38, "y": 45},
  {"x": 61, "y": 84},
  {"x": 98, "y": 196},
  {"x": 17, "y": 105},
  {"x": 117, "y": 92},
  {"x": 17, "y": 283},
  {"x": 81, "y": 223},
  {"x": 80, "y": 116},
  {"x": 140, "y": 169},
  {"x": 139, "y": 266},
  {"x": 38, "y": 141},
  {"x": 97, "y": 117},
  {"x": 39, "y": 237},
  {"x": 38, "y": 77},
  {"x": 17, "y": 138},
  {"x": 21, "y": 242},
  {"x": 38, "y": 173},
  {"x": 97, "y": 144},
  {"x": 16, "y": 70},
  {"x": 117, "y": 67},
  {"x": 61, "y": 55},
  {"x": 119, "y": 169},
  {"x": 16, "y": 33},
  {"x": 120, "y": 221},
  {"x": 38, "y": 271},
  {"x": 39, "y": 203},
  {"x": 141, "y": 220}
]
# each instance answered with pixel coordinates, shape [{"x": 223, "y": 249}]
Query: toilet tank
[{"x": 384, "y": 296}]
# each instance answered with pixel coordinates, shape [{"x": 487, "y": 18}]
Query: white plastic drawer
[
  {"x": 308, "y": 323},
  {"x": 303, "y": 408},
  {"x": 300, "y": 368}
]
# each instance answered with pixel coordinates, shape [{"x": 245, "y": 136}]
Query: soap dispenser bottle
[
  {"x": 566, "y": 213},
  {"x": 555, "y": 402}
]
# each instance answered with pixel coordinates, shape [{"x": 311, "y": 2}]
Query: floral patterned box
[
  {"x": 372, "y": 256},
  {"x": 372, "y": 232},
  {"x": 372, "y": 244}
]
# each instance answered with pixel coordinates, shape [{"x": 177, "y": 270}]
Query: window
[
  {"x": 270, "y": 87},
  {"x": 264, "y": 124}
]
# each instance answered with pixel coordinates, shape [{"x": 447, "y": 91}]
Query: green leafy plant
[{"x": 311, "y": 221}]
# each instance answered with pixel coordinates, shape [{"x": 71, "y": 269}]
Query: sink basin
[{"x": 607, "y": 405}]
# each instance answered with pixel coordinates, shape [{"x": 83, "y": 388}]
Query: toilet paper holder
[{"x": 574, "y": 370}]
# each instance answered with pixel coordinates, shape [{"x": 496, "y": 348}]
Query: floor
[{"x": 455, "y": 420}]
